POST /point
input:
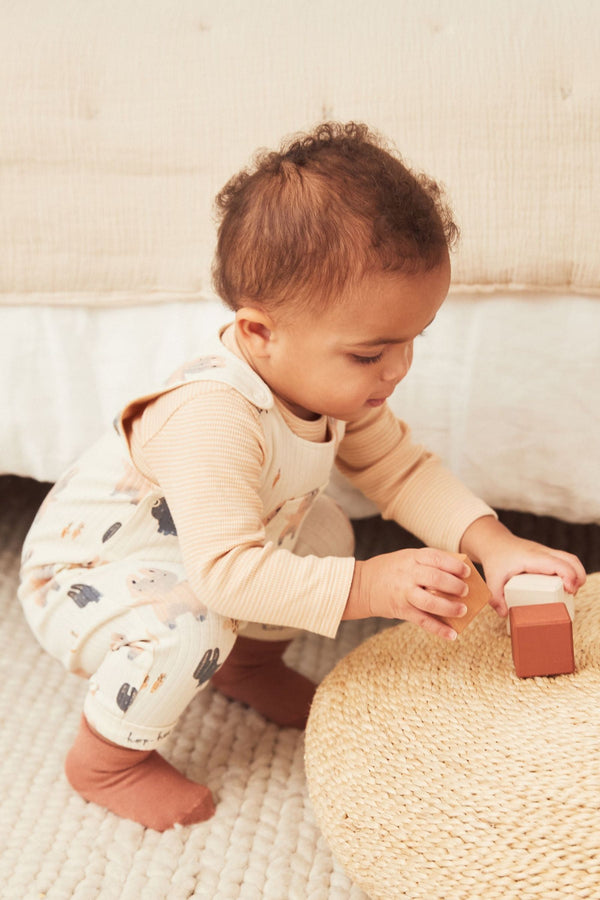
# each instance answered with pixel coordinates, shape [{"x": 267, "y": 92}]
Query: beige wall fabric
[{"x": 119, "y": 123}]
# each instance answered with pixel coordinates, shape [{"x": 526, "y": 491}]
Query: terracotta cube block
[
  {"x": 478, "y": 596},
  {"x": 542, "y": 640}
]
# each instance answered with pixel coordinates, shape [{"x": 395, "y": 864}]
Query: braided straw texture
[{"x": 436, "y": 773}]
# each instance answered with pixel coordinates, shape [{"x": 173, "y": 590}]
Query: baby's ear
[{"x": 253, "y": 329}]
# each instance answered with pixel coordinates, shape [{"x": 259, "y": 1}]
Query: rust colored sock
[
  {"x": 255, "y": 674},
  {"x": 134, "y": 784}
]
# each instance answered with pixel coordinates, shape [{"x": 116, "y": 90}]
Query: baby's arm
[
  {"x": 399, "y": 585},
  {"x": 207, "y": 453},
  {"x": 502, "y": 555},
  {"x": 411, "y": 486},
  {"x": 414, "y": 488}
]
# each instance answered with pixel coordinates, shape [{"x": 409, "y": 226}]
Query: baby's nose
[{"x": 398, "y": 364}]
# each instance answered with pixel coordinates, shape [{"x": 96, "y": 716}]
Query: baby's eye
[{"x": 366, "y": 360}]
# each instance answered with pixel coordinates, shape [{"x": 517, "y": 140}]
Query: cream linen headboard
[{"x": 120, "y": 121}]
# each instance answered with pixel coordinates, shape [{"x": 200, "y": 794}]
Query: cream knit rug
[{"x": 263, "y": 841}]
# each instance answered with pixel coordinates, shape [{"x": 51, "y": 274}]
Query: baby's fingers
[
  {"x": 431, "y": 624},
  {"x": 545, "y": 561},
  {"x": 442, "y": 573},
  {"x": 441, "y": 566},
  {"x": 437, "y": 604},
  {"x": 477, "y": 596},
  {"x": 570, "y": 569},
  {"x": 428, "y": 610}
]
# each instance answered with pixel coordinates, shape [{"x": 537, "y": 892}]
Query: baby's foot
[
  {"x": 134, "y": 784},
  {"x": 255, "y": 674}
]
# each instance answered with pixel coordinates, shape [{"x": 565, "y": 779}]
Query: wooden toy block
[
  {"x": 478, "y": 596},
  {"x": 528, "y": 590},
  {"x": 542, "y": 640}
]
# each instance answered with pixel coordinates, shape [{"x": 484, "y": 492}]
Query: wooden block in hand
[
  {"x": 542, "y": 640},
  {"x": 478, "y": 597}
]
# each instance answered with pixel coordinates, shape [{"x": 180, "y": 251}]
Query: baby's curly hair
[{"x": 305, "y": 222}]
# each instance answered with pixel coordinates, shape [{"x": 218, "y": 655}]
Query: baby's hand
[
  {"x": 503, "y": 555},
  {"x": 520, "y": 556},
  {"x": 400, "y": 585}
]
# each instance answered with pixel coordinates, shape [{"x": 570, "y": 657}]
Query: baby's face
[{"x": 349, "y": 358}]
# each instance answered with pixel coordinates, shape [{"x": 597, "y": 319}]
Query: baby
[{"x": 194, "y": 539}]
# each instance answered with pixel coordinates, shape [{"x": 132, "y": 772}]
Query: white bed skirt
[{"x": 504, "y": 388}]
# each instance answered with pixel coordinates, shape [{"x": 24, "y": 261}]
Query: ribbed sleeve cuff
[{"x": 437, "y": 508}]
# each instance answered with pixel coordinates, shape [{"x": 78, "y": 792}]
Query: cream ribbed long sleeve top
[{"x": 204, "y": 444}]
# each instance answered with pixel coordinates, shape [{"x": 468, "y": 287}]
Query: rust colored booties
[
  {"x": 134, "y": 784},
  {"x": 255, "y": 674}
]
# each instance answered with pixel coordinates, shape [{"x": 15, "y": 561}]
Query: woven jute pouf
[{"x": 436, "y": 773}]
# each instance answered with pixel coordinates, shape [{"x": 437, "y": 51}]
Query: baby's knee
[
  {"x": 142, "y": 687},
  {"x": 194, "y": 648}
]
